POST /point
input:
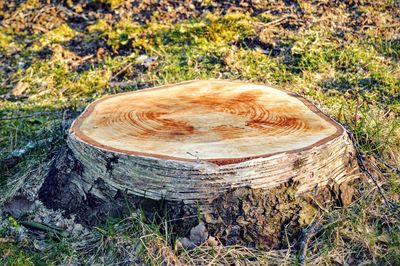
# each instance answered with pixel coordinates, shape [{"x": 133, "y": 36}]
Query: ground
[{"x": 341, "y": 55}]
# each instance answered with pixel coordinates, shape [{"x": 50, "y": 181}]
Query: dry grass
[{"x": 342, "y": 55}]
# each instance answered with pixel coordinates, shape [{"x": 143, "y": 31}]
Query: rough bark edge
[
  {"x": 247, "y": 216},
  {"x": 79, "y": 136},
  {"x": 201, "y": 182}
]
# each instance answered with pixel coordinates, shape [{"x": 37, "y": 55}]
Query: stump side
[
  {"x": 248, "y": 216},
  {"x": 201, "y": 182},
  {"x": 246, "y": 200}
]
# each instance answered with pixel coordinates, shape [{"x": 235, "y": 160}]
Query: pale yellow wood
[
  {"x": 195, "y": 141},
  {"x": 204, "y": 120}
]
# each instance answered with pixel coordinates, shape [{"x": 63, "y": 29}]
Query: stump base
[{"x": 251, "y": 217}]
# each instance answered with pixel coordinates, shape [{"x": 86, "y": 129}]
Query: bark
[
  {"x": 248, "y": 216},
  {"x": 269, "y": 149}
]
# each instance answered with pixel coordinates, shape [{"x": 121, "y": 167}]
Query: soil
[
  {"x": 347, "y": 19},
  {"x": 283, "y": 213}
]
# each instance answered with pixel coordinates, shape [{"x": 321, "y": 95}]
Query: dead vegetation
[{"x": 57, "y": 57}]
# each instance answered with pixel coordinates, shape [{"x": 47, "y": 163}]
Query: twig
[
  {"x": 122, "y": 84},
  {"x": 307, "y": 235},
  {"x": 312, "y": 230},
  {"x": 391, "y": 167},
  {"x": 45, "y": 228},
  {"x": 318, "y": 203},
  {"x": 289, "y": 250},
  {"x": 6, "y": 240},
  {"x": 40, "y": 28},
  {"x": 69, "y": 12},
  {"x": 15, "y": 156},
  {"x": 38, "y": 13},
  {"x": 382, "y": 26},
  {"x": 122, "y": 70},
  {"x": 26, "y": 116},
  {"x": 9, "y": 97},
  {"x": 85, "y": 58},
  {"x": 277, "y": 21},
  {"x": 28, "y": 147},
  {"x": 356, "y": 112},
  {"x": 393, "y": 208}
]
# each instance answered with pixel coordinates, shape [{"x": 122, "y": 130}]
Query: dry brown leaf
[{"x": 19, "y": 88}]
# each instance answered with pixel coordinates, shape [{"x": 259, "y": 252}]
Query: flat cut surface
[{"x": 208, "y": 120}]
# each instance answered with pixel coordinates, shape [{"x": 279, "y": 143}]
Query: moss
[
  {"x": 6, "y": 42},
  {"x": 307, "y": 214},
  {"x": 12, "y": 255},
  {"x": 112, "y": 4},
  {"x": 91, "y": 81},
  {"x": 61, "y": 34},
  {"x": 351, "y": 72},
  {"x": 100, "y": 26}
]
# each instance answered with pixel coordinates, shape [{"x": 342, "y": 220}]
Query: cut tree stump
[{"x": 243, "y": 155}]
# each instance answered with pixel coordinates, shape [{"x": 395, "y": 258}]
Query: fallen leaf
[
  {"x": 100, "y": 53},
  {"x": 184, "y": 243},
  {"x": 229, "y": 57},
  {"x": 211, "y": 241},
  {"x": 19, "y": 89},
  {"x": 6, "y": 240},
  {"x": 199, "y": 234},
  {"x": 384, "y": 239},
  {"x": 18, "y": 206}
]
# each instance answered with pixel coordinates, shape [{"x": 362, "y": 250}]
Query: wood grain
[
  {"x": 195, "y": 140},
  {"x": 206, "y": 120}
]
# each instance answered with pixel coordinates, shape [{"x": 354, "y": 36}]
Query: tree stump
[{"x": 243, "y": 155}]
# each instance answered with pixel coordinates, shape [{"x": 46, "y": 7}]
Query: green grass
[{"x": 355, "y": 80}]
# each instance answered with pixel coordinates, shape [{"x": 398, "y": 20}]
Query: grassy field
[{"x": 344, "y": 56}]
